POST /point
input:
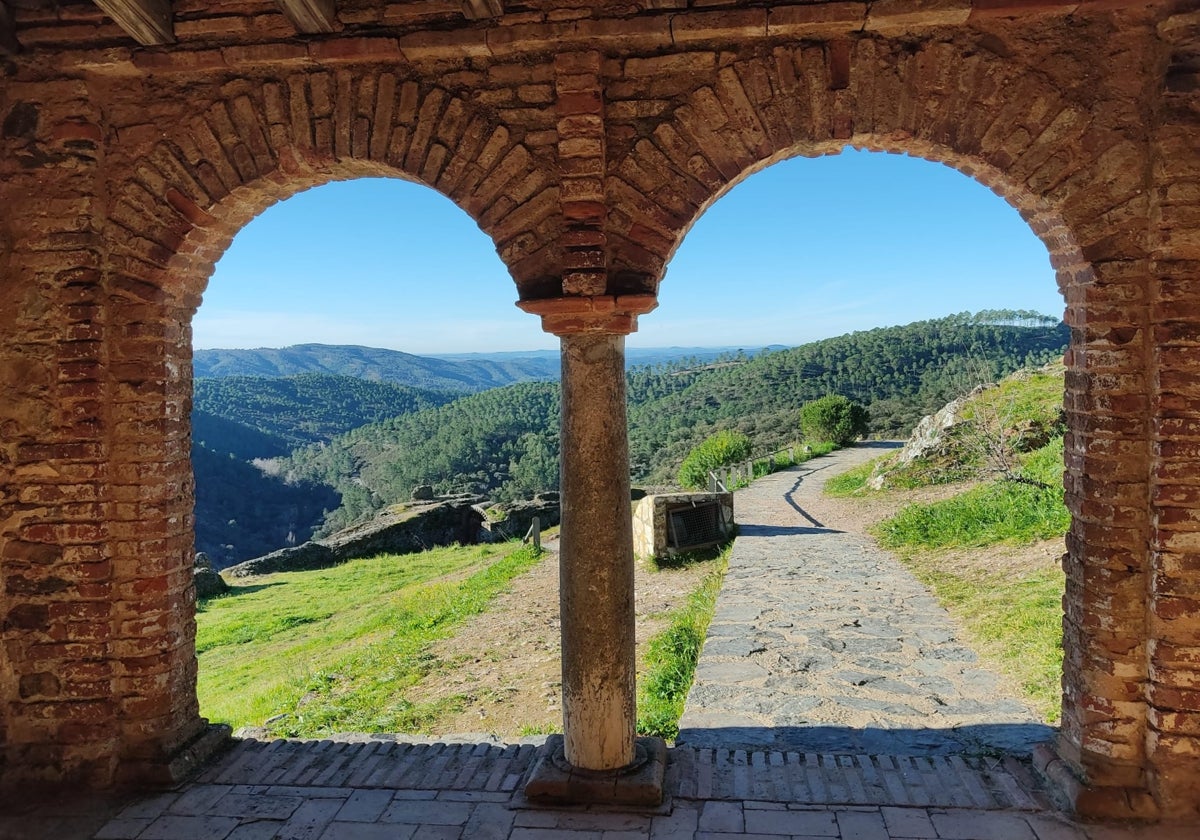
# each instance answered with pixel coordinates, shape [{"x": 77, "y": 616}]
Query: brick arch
[
  {"x": 1011, "y": 129},
  {"x": 1077, "y": 170},
  {"x": 176, "y": 203},
  {"x": 183, "y": 196}
]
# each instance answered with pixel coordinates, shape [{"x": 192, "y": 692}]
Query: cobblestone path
[{"x": 823, "y": 642}]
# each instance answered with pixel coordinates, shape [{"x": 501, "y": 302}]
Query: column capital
[{"x": 613, "y": 314}]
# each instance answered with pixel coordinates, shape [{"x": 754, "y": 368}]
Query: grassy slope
[
  {"x": 1014, "y": 615},
  {"x": 333, "y": 650}
]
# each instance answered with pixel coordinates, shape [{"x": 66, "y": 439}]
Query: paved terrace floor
[{"x": 833, "y": 700}]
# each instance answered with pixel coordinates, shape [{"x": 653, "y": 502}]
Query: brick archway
[
  {"x": 584, "y": 142},
  {"x": 1080, "y": 177}
]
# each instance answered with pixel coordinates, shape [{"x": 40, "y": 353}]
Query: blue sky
[{"x": 806, "y": 249}]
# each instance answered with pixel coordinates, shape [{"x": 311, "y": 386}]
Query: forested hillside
[
  {"x": 375, "y": 364},
  {"x": 303, "y": 409},
  {"x": 244, "y": 512},
  {"x": 899, "y": 373},
  {"x": 504, "y": 442}
]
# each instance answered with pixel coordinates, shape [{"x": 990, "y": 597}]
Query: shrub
[
  {"x": 715, "y": 451},
  {"x": 834, "y": 418}
]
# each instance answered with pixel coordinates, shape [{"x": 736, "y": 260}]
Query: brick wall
[{"x": 125, "y": 173}]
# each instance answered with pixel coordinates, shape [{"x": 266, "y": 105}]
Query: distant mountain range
[{"x": 461, "y": 372}]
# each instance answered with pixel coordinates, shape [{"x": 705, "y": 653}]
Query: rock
[
  {"x": 203, "y": 561},
  {"x": 209, "y": 583},
  {"x": 310, "y": 555},
  {"x": 423, "y": 493},
  {"x": 409, "y": 528},
  {"x": 401, "y": 529},
  {"x": 928, "y": 436}
]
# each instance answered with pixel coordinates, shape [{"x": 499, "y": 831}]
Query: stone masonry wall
[{"x": 585, "y": 140}]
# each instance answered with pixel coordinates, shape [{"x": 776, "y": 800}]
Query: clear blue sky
[{"x": 806, "y": 249}]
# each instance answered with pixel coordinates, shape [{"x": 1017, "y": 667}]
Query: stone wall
[
  {"x": 585, "y": 140},
  {"x": 651, "y": 529}
]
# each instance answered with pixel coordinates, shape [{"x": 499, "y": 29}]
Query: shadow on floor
[{"x": 1016, "y": 739}]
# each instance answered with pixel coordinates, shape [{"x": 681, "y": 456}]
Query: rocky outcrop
[
  {"x": 511, "y": 520},
  {"x": 929, "y": 437},
  {"x": 416, "y": 526},
  {"x": 209, "y": 582},
  {"x": 400, "y": 529},
  {"x": 310, "y": 555}
]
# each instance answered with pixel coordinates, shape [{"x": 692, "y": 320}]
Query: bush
[
  {"x": 718, "y": 450},
  {"x": 834, "y": 418}
]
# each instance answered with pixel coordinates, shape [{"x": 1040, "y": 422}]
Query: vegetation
[
  {"x": 834, "y": 418},
  {"x": 300, "y": 410},
  {"x": 503, "y": 443},
  {"x": 243, "y": 513},
  {"x": 309, "y": 653},
  {"x": 1015, "y": 620},
  {"x": 999, "y": 511},
  {"x": 899, "y": 373},
  {"x": 717, "y": 450},
  {"x": 671, "y": 657}
]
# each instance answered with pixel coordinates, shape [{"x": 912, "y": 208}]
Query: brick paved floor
[{"x": 383, "y": 789}]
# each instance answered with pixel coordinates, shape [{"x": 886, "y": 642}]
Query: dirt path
[{"x": 505, "y": 664}]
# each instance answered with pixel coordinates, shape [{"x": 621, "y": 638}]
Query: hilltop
[{"x": 456, "y": 372}]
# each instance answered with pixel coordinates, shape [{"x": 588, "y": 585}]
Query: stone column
[
  {"x": 596, "y": 572},
  {"x": 600, "y": 759}
]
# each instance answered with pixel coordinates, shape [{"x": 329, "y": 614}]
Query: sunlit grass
[
  {"x": 333, "y": 650},
  {"x": 998, "y": 511},
  {"x": 671, "y": 657}
]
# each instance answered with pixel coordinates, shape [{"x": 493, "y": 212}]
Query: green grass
[
  {"x": 765, "y": 466},
  {"x": 992, "y": 513},
  {"x": 333, "y": 650},
  {"x": 999, "y": 511},
  {"x": 671, "y": 656},
  {"x": 1017, "y": 622},
  {"x": 852, "y": 482}
]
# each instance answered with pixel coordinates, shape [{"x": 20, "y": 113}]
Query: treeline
[
  {"x": 375, "y": 364},
  {"x": 504, "y": 442}
]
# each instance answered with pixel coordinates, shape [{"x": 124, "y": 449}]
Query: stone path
[{"x": 822, "y": 642}]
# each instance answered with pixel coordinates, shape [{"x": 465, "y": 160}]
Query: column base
[
  {"x": 555, "y": 782},
  {"x": 1090, "y": 802},
  {"x": 167, "y": 771}
]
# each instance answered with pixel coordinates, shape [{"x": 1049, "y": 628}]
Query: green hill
[
  {"x": 243, "y": 511},
  {"x": 504, "y": 442},
  {"x": 899, "y": 373},
  {"x": 299, "y": 410}
]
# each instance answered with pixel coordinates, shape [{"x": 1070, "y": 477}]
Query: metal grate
[{"x": 694, "y": 525}]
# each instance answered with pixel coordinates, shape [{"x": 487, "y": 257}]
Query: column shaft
[{"x": 596, "y": 576}]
